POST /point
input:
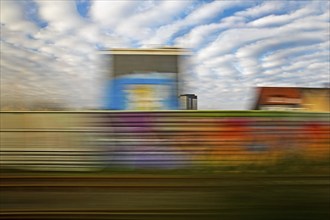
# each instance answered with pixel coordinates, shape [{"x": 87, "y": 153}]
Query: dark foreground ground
[{"x": 164, "y": 196}]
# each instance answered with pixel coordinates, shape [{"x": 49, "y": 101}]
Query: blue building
[{"x": 144, "y": 79}]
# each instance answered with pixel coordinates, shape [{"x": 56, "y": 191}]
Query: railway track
[{"x": 172, "y": 197}]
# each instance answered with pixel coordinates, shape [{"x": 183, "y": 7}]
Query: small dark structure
[{"x": 188, "y": 102}]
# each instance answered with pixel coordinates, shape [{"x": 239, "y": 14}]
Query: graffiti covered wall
[{"x": 163, "y": 139}]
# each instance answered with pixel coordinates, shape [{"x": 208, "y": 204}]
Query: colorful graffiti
[
  {"x": 148, "y": 91},
  {"x": 165, "y": 139},
  {"x": 183, "y": 139}
]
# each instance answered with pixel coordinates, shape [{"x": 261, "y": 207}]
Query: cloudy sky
[{"x": 49, "y": 48}]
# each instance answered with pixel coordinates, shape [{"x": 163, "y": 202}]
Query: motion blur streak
[{"x": 165, "y": 165}]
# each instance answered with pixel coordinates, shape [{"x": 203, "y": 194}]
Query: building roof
[
  {"x": 189, "y": 95},
  {"x": 147, "y": 51},
  {"x": 277, "y": 96}
]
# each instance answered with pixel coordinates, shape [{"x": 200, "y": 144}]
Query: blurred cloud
[{"x": 48, "y": 48}]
